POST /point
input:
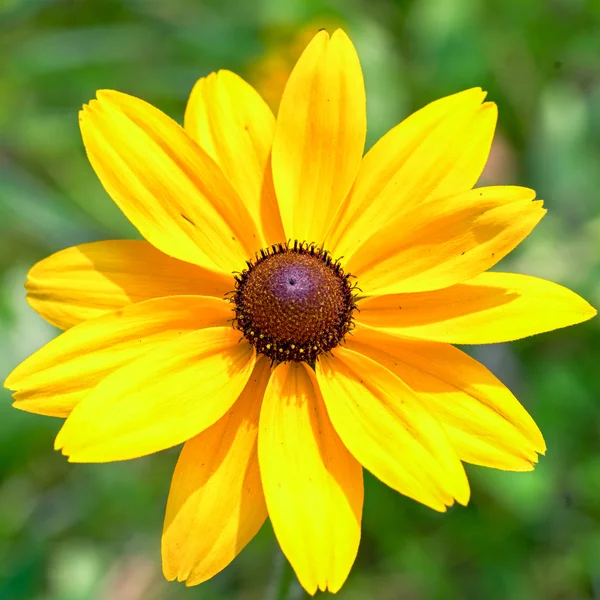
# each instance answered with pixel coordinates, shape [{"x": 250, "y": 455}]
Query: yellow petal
[
  {"x": 167, "y": 186},
  {"x": 386, "y": 428},
  {"x": 57, "y": 377},
  {"x": 235, "y": 126},
  {"x": 164, "y": 398},
  {"x": 313, "y": 486},
  {"x": 483, "y": 420},
  {"x": 216, "y": 503},
  {"x": 320, "y": 136},
  {"x": 87, "y": 281},
  {"x": 492, "y": 307},
  {"x": 446, "y": 241},
  {"x": 438, "y": 151},
  {"x": 196, "y": 120}
]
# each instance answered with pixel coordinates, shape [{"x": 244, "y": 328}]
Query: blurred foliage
[{"x": 79, "y": 532}]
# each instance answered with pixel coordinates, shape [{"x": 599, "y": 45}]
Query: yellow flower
[{"x": 288, "y": 377}]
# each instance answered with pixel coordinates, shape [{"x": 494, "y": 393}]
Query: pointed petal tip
[
  {"x": 192, "y": 580},
  {"x": 173, "y": 572},
  {"x": 16, "y": 404},
  {"x": 59, "y": 441},
  {"x": 9, "y": 382},
  {"x": 582, "y": 310},
  {"x": 83, "y": 456},
  {"x": 107, "y": 95},
  {"x": 538, "y": 445},
  {"x": 525, "y": 466},
  {"x": 464, "y": 496},
  {"x": 92, "y": 106},
  {"x": 168, "y": 568},
  {"x": 340, "y": 33},
  {"x": 541, "y": 451},
  {"x": 312, "y": 588},
  {"x": 489, "y": 112},
  {"x": 333, "y": 588},
  {"x": 17, "y": 378},
  {"x": 473, "y": 94}
]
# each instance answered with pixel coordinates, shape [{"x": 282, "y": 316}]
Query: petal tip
[
  {"x": 16, "y": 404},
  {"x": 59, "y": 442},
  {"x": 322, "y": 36},
  {"x": 541, "y": 452},
  {"x": 475, "y": 94},
  {"x": 489, "y": 112},
  {"x": 9, "y": 382},
  {"x": 108, "y": 95},
  {"x": 310, "y": 589},
  {"x": 464, "y": 496},
  {"x": 339, "y": 33}
]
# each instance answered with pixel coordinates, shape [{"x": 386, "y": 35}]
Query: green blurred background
[{"x": 79, "y": 532}]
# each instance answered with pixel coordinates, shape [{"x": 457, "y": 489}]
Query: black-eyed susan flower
[{"x": 238, "y": 329}]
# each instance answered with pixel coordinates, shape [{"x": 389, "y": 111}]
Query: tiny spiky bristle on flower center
[{"x": 293, "y": 302}]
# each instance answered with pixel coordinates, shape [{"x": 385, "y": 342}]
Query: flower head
[{"x": 291, "y": 314}]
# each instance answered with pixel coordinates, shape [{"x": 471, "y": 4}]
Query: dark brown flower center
[{"x": 294, "y": 302}]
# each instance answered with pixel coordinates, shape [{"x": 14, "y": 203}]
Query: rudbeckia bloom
[{"x": 291, "y": 314}]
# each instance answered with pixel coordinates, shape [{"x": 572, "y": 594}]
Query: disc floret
[{"x": 294, "y": 302}]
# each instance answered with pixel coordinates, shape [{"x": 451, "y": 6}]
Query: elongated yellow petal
[
  {"x": 216, "y": 503},
  {"x": 436, "y": 152},
  {"x": 235, "y": 126},
  {"x": 387, "y": 429},
  {"x": 313, "y": 486},
  {"x": 446, "y": 241},
  {"x": 492, "y": 307},
  {"x": 483, "y": 420},
  {"x": 58, "y": 376},
  {"x": 87, "y": 281},
  {"x": 320, "y": 136},
  {"x": 167, "y": 186},
  {"x": 196, "y": 120},
  {"x": 163, "y": 398}
]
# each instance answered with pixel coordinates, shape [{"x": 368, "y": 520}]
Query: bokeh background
[{"x": 80, "y": 532}]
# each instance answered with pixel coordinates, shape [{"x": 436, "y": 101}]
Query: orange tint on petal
[
  {"x": 490, "y": 308},
  {"x": 162, "y": 399},
  {"x": 87, "y": 281},
  {"x": 484, "y": 422},
  {"x": 234, "y": 125},
  {"x": 389, "y": 431},
  {"x": 446, "y": 241},
  {"x": 216, "y": 503},
  {"x": 436, "y": 152},
  {"x": 168, "y": 187},
  {"x": 320, "y": 136},
  {"x": 58, "y": 376},
  {"x": 313, "y": 486}
]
